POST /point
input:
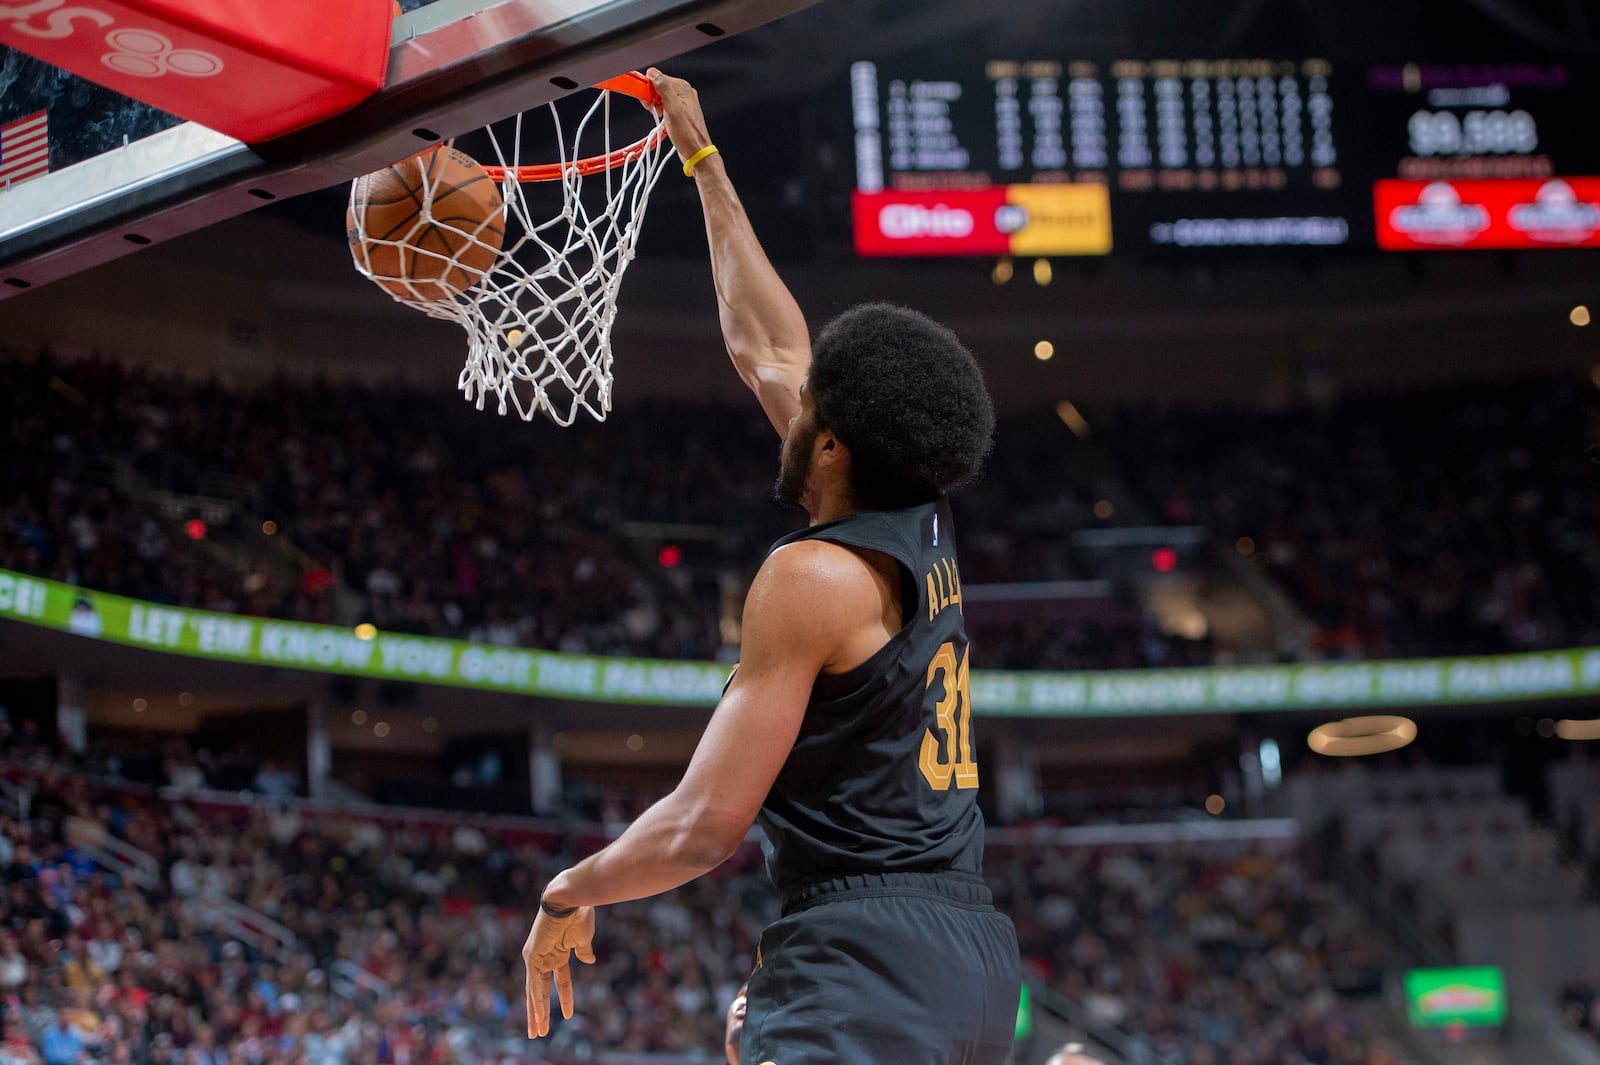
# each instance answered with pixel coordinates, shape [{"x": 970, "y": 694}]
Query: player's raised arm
[{"x": 762, "y": 325}]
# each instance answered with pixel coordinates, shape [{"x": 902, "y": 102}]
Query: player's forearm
[
  {"x": 670, "y": 844},
  {"x": 762, "y": 324}
]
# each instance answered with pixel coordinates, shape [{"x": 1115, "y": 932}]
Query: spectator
[
  {"x": 61, "y": 1043},
  {"x": 13, "y": 964}
]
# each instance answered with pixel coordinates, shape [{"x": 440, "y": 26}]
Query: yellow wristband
[{"x": 697, "y": 158}]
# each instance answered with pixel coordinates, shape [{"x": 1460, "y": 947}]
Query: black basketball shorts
[{"x": 885, "y": 969}]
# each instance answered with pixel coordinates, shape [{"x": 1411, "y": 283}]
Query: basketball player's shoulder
[
  {"x": 804, "y": 596},
  {"x": 822, "y": 568}
]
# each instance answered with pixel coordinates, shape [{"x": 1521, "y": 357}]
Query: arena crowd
[
  {"x": 393, "y": 937},
  {"x": 419, "y": 514}
]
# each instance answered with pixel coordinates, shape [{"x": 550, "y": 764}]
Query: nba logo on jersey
[{"x": 935, "y": 530}]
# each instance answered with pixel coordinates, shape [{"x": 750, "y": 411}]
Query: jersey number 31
[{"x": 953, "y": 715}]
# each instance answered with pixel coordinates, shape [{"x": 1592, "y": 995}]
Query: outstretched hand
[
  {"x": 686, "y": 122},
  {"x": 547, "y": 953}
]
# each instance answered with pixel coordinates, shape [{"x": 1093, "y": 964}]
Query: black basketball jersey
[{"x": 882, "y": 776}]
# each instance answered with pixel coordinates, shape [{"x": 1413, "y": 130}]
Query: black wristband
[{"x": 558, "y": 912}]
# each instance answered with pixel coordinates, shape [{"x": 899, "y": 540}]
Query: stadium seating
[
  {"x": 271, "y": 931},
  {"x": 1451, "y": 520},
  {"x": 411, "y": 511},
  {"x": 1216, "y": 952},
  {"x": 266, "y": 930}
]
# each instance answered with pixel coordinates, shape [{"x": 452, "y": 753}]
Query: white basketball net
[{"x": 539, "y": 321}]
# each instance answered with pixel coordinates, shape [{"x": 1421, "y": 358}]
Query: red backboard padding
[{"x": 242, "y": 67}]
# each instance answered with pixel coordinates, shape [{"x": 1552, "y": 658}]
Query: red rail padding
[{"x": 249, "y": 69}]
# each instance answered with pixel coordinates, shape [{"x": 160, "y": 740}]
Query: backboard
[{"x": 123, "y": 175}]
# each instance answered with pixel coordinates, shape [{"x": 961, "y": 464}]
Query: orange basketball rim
[{"x": 632, "y": 84}]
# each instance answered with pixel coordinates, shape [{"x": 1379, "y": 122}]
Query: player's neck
[{"x": 826, "y": 504}]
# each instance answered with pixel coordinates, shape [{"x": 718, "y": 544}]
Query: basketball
[{"x": 428, "y": 227}]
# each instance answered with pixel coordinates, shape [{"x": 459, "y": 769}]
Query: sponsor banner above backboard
[
  {"x": 1489, "y": 213},
  {"x": 251, "y": 71},
  {"x": 1038, "y": 219}
]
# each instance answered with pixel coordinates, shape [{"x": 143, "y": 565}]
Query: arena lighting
[
  {"x": 269, "y": 528},
  {"x": 1044, "y": 351},
  {"x": 1073, "y": 419},
  {"x": 1245, "y": 546},
  {"x": 1356, "y": 736},
  {"x": 1003, "y": 272},
  {"x": 1215, "y": 804},
  {"x": 1569, "y": 729},
  {"x": 670, "y": 556},
  {"x": 1103, "y": 509},
  {"x": 1271, "y": 763},
  {"x": 635, "y": 742},
  {"x": 366, "y": 631},
  {"x": 139, "y": 706},
  {"x": 1579, "y": 316},
  {"x": 1042, "y": 272},
  {"x": 381, "y": 729},
  {"x": 358, "y": 717},
  {"x": 1164, "y": 560},
  {"x": 195, "y": 528}
]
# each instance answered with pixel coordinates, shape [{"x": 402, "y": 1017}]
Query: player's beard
[{"x": 794, "y": 467}]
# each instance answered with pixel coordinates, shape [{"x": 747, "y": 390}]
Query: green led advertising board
[
  {"x": 1563, "y": 674},
  {"x": 1468, "y": 997}
]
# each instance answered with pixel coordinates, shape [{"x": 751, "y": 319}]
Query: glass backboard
[{"x": 122, "y": 175}]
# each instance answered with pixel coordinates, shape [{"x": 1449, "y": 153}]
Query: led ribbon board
[{"x": 457, "y": 663}]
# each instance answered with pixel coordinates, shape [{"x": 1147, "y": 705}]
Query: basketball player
[{"x": 846, "y": 728}]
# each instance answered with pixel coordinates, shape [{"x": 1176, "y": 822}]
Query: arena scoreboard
[{"x": 1077, "y": 157}]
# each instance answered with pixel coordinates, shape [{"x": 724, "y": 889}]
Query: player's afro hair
[{"x": 908, "y": 400}]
